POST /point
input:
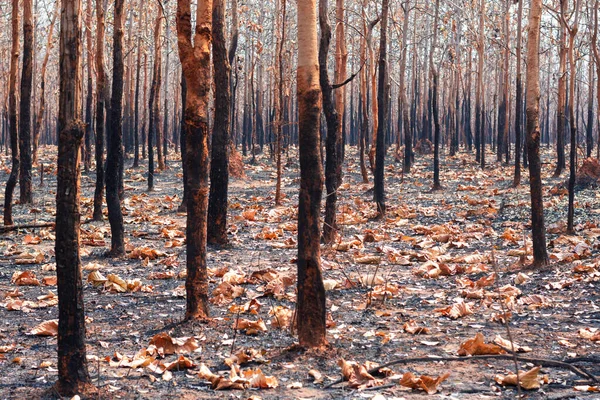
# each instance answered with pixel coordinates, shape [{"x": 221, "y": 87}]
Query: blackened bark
[
  {"x": 219, "y": 164},
  {"x": 25, "y": 193},
  {"x": 382, "y": 111},
  {"x": 73, "y": 375},
  {"x": 13, "y": 115},
  {"x": 332, "y": 120},
  {"x": 100, "y": 105},
  {"x": 87, "y": 160},
  {"x": 114, "y": 157},
  {"x": 183, "y": 206}
]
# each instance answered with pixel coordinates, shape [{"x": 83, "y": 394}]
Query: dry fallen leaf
[
  {"x": 163, "y": 344},
  {"x": 456, "y": 310},
  {"x": 424, "y": 382},
  {"x": 477, "y": 346},
  {"x": 413, "y": 328},
  {"x": 46, "y": 328},
  {"x": 282, "y": 317},
  {"x": 592, "y": 334},
  {"x": 25, "y": 278},
  {"x": 251, "y": 327},
  {"x": 529, "y": 380}
]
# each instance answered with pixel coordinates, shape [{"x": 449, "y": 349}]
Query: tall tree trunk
[
  {"x": 311, "y": 315},
  {"x": 434, "y": 102},
  {"x": 597, "y": 59},
  {"x": 519, "y": 100},
  {"x": 382, "y": 100},
  {"x": 589, "y": 134},
  {"x": 73, "y": 374},
  {"x": 562, "y": 93},
  {"x": 153, "y": 107},
  {"x": 13, "y": 115},
  {"x": 538, "y": 230},
  {"x": 182, "y": 140},
  {"x": 37, "y": 127},
  {"x": 480, "y": 95},
  {"x": 101, "y": 90},
  {"x": 279, "y": 101},
  {"x": 136, "y": 132},
  {"x": 403, "y": 113},
  {"x": 333, "y": 123},
  {"x": 144, "y": 102},
  {"x": 573, "y": 156},
  {"x": 195, "y": 61},
  {"x": 165, "y": 130},
  {"x": 25, "y": 193},
  {"x": 114, "y": 156},
  {"x": 87, "y": 160},
  {"x": 219, "y": 164}
]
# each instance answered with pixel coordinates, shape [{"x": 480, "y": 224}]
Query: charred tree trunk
[
  {"x": 333, "y": 122},
  {"x": 562, "y": 93},
  {"x": 153, "y": 107},
  {"x": 519, "y": 101},
  {"x": 195, "y": 61},
  {"x": 25, "y": 193},
  {"x": 100, "y": 105},
  {"x": 279, "y": 101},
  {"x": 311, "y": 315},
  {"x": 73, "y": 377},
  {"x": 114, "y": 156},
  {"x": 382, "y": 100},
  {"x": 37, "y": 127},
  {"x": 13, "y": 115},
  {"x": 573, "y": 151},
  {"x": 182, "y": 140},
  {"x": 136, "y": 131},
  {"x": 219, "y": 164},
  {"x": 434, "y": 102},
  {"x": 87, "y": 159},
  {"x": 403, "y": 112},
  {"x": 538, "y": 230}
]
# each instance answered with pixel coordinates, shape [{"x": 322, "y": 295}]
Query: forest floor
[{"x": 452, "y": 261}]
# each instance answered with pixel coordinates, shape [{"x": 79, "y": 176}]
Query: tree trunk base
[{"x": 85, "y": 390}]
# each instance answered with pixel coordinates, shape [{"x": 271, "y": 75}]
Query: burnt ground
[{"x": 426, "y": 255}]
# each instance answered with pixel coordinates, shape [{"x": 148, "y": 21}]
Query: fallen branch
[
  {"x": 10, "y": 228},
  {"x": 539, "y": 361}
]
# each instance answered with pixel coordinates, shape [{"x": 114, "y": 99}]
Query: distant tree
[
  {"x": 382, "y": 99},
  {"x": 101, "y": 96}
]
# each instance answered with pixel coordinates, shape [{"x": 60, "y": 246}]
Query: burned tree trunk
[
  {"x": 73, "y": 377},
  {"x": 519, "y": 101},
  {"x": 87, "y": 159},
  {"x": 114, "y": 156},
  {"x": 538, "y": 230},
  {"x": 573, "y": 122},
  {"x": 311, "y": 315},
  {"x": 219, "y": 164},
  {"x": 25, "y": 193},
  {"x": 382, "y": 99},
  {"x": 195, "y": 62},
  {"x": 153, "y": 107},
  {"x": 13, "y": 115},
  {"x": 100, "y": 105},
  {"x": 434, "y": 102}
]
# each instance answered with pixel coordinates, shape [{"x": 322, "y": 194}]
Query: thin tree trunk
[
  {"x": 573, "y": 156},
  {"x": 562, "y": 93},
  {"x": 136, "y": 132},
  {"x": 311, "y": 314},
  {"x": 382, "y": 100},
  {"x": 13, "y": 115},
  {"x": 519, "y": 100},
  {"x": 219, "y": 164},
  {"x": 114, "y": 156},
  {"x": 434, "y": 102},
  {"x": 101, "y": 90},
  {"x": 153, "y": 107},
  {"x": 279, "y": 101},
  {"x": 87, "y": 159},
  {"x": 73, "y": 377},
  {"x": 403, "y": 113},
  {"x": 538, "y": 230},
  {"x": 195, "y": 61},
  {"x": 25, "y": 193}
]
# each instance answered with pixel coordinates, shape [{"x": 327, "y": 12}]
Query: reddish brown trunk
[{"x": 195, "y": 61}]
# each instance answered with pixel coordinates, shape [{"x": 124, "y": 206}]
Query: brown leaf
[
  {"x": 477, "y": 346},
  {"x": 25, "y": 278},
  {"x": 456, "y": 310},
  {"x": 163, "y": 344},
  {"x": 592, "y": 334},
  {"x": 251, "y": 327},
  {"x": 528, "y": 380},
  {"x": 46, "y": 328},
  {"x": 424, "y": 382},
  {"x": 282, "y": 317},
  {"x": 413, "y": 328}
]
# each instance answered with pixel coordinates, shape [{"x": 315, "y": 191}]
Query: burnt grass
[{"x": 474, "y": 209}]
